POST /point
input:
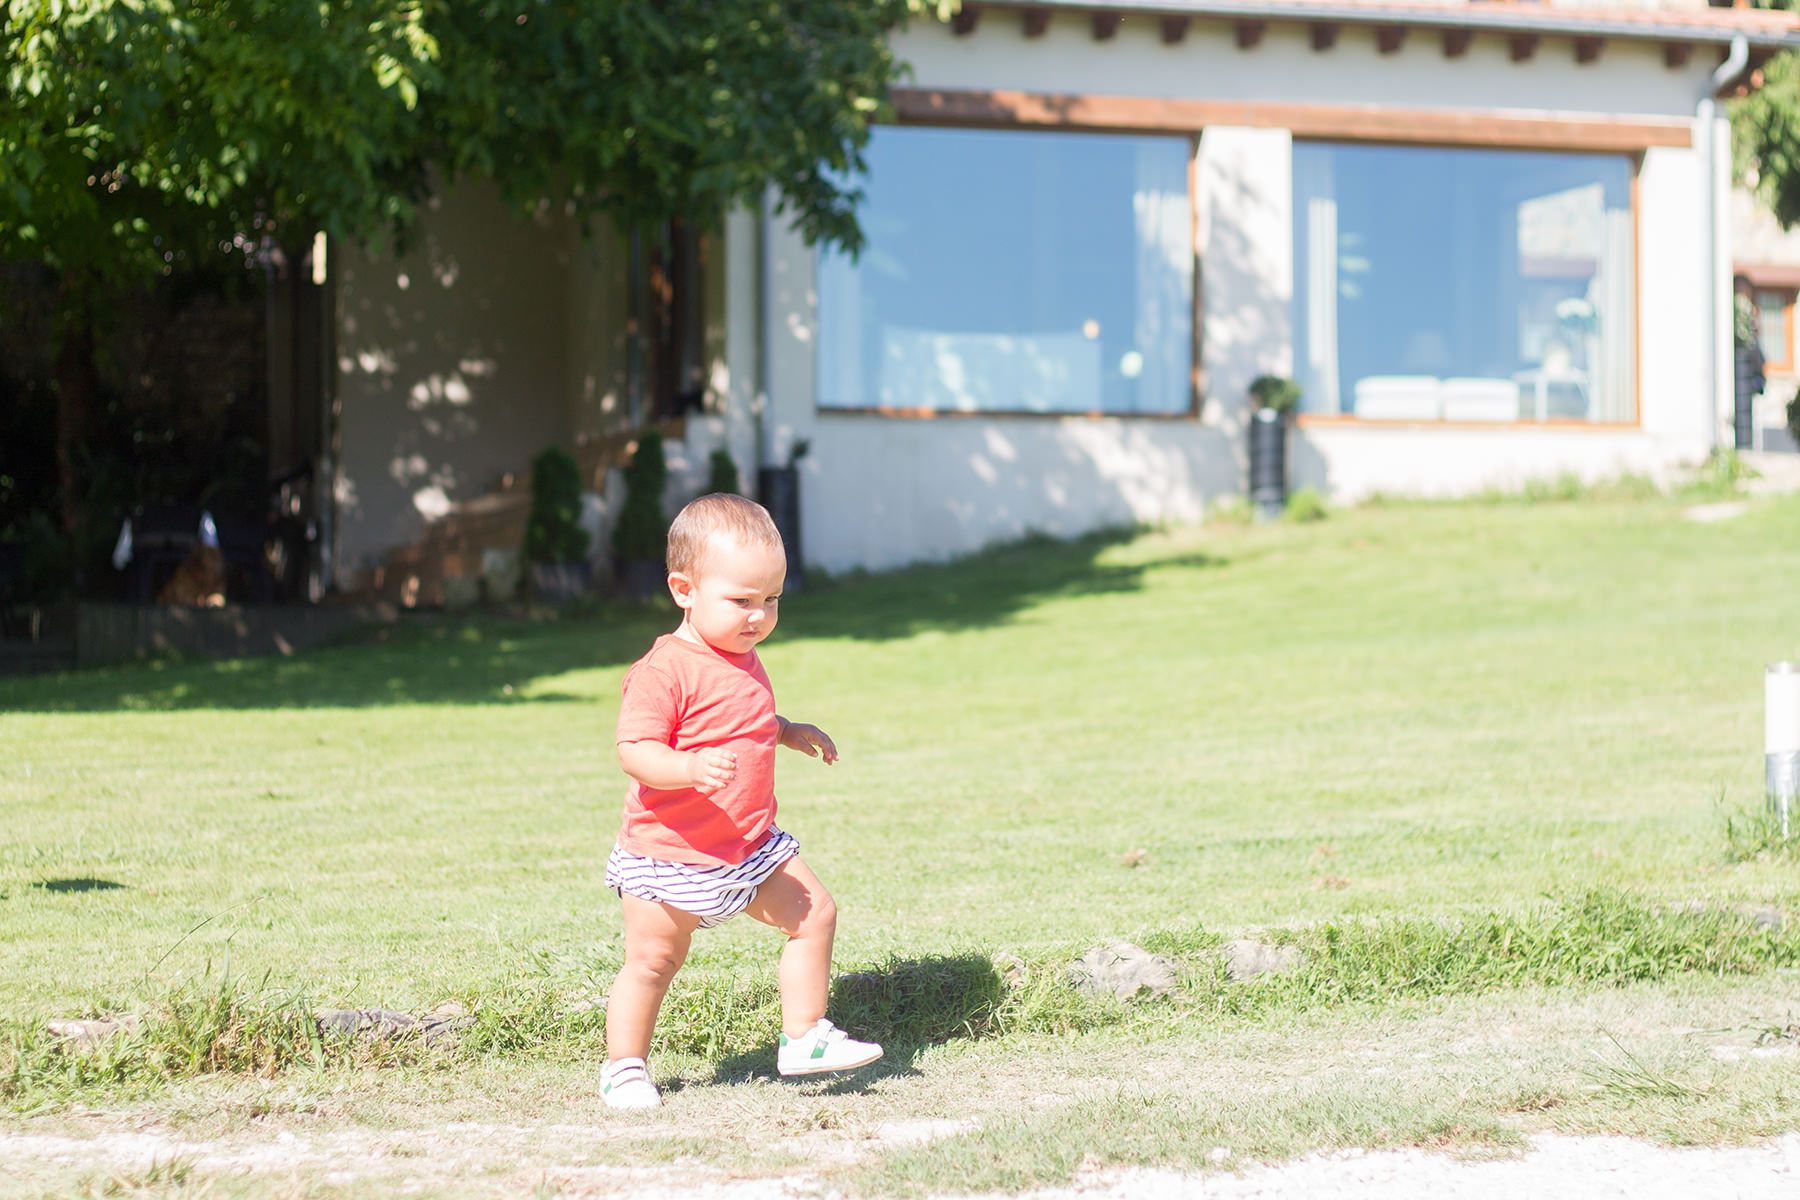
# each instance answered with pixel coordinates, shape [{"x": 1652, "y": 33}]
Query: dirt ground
[{"x": 153, "y": 1161}]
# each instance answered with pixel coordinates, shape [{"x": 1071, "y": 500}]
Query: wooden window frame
[
  {"x": 1560, "y": 424},
  {"x": 1789, "y": 293},
  {"x": 1370, "y": 124}
]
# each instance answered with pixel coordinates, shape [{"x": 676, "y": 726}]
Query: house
[
  {"x": 1766, "y": 258},
  {"x": 1490, "y": 240}
]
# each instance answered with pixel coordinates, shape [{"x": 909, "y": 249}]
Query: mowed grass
[{"x": 1404, "y": 712}]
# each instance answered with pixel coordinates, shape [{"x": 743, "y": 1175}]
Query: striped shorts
[{"x": 714, "y": 894}]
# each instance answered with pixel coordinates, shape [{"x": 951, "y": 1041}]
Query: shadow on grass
[
  {"x": 906, "y": 1006},
  {"x": 79, "y": 885},
  {"x": 489, "y": 659}
]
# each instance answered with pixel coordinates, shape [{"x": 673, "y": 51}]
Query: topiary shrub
[
  {"x": 641, "y": 533},
  {"x": 1304, "y": 505},
  {"x": 553, "y": 532},
  {"x": 1276, "y": 392},
  {"x": 722, "y": 473}
]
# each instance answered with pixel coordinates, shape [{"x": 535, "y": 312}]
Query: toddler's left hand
[{"x": 810, "y": 740}]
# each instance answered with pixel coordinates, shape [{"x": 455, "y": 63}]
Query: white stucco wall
[
  {"x": 491, "y": 339},
  {"x": 880, "y": 491},
  {"x": 451, "y": 367}
]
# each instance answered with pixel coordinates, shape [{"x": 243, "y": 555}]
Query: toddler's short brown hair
[{"x": 744, "y": 521}]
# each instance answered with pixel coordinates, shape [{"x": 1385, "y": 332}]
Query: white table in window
[{"x": 1543, "y": 381}]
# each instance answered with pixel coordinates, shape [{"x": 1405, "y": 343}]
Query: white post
[{"x": 1781, "y": 737}]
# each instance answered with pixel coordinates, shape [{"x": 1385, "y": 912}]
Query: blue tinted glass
[
  {"x": 1007, "y": 270},
  {"x": 1463, "y": 285}
]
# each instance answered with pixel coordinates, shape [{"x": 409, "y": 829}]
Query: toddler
[{"x": 697, "y": 734}]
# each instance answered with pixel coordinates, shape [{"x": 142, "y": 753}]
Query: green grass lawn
[{"x": 1402, "y": 712}]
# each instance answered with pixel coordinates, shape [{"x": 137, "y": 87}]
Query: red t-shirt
[{"x": 691, "y": 696}]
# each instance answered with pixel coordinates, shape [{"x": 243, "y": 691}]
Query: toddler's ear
[{"x": 681, "y": 587}]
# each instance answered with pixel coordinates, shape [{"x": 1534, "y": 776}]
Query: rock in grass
[
  {"x": 1011, "y": 969},
  {"x": 384, "y": 1024},
  {"x": 1122, "y": 970},
  {"x": 88, "y": 1034},
  {"x": 1247, "y": 958}
]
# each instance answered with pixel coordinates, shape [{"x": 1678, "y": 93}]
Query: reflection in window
[
  {"x": 1463, "y": 285},
  {"x": 1775, "y": 328},
  {"x": 1014, "y": 271}
]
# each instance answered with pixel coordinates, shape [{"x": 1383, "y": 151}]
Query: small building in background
[{"x": 1492, "y": 242}]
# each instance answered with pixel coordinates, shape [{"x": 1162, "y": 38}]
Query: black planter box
[{"x": 1268, "y": 462}]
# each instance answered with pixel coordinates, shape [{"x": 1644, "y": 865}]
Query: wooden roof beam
[
  {"x": 1324, "y": 34},
  {"x": 1034, "y": 21},
  {"x": 1587, "y": 49},
  {"x": 1456, "y": 42},
  {"x": 1249, "y": 33},
  {"x": 1676, "y": 54},
  {"x": 1105, "y": 25},
  {"x": 965, "y": 20},
  {"x": 1174, "y": 30},
  {"x": 1389, "y": 38},
  {"x": 1522, "y": 46}
]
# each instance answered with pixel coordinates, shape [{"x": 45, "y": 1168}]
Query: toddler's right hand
[{"x": 710, "y": 770}]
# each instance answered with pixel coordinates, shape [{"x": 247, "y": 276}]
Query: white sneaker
[
  {"x": 824, "y": 1048},
  {"x": 626, "y": 1084}
]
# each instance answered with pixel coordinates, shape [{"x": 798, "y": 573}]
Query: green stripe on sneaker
[{"x": 819, "y": 1050}]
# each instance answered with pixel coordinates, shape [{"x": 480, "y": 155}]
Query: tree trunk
[{"x": 75, "y": 387}]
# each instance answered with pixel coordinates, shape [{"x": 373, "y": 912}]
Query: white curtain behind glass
[
  {"x": 1165, "y": 259},
  {"x": 1614, "y": 295},
  {"x": 1317, "y": 254}
]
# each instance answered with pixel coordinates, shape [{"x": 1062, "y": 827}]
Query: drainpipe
[
  {"x": 1718, "y": 244},
  {"x": 759, "y": 402}
]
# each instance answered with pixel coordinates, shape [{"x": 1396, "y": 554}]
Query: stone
[
  {"x": 1247, "y": 959},
  {"x": 444, "y": 1022},
  {"x": 89, "y": 1033},
  {"x": 371, "y": 1023},
  {"x": 435, "y": 1028},
  {"x": 1765, "y": 917},
  {"x": 1011, "y": 969},
  {"x": 1122, "y": 970}
]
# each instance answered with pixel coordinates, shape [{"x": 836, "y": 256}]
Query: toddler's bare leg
[
  {"x": 795, "y": 902},
  {"x": 656, "y": 944}
]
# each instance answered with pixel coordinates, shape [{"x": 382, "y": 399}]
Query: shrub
[
  {"x": 642, "y": 530},
  {"x": 1305, "y": 505},
  {"x": 722, "y": 473},
  {"x": 553, "y": 533},
  {"x": 1275, "y": 391}
]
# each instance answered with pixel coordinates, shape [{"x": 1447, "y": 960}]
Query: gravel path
[{"x": 1569, "y": 1168}]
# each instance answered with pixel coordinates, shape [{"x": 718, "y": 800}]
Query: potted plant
[
  {"x": 1273, "y": 398},
  {"x": 640, "y": 535},
  {"x": 556, "y": 545}
]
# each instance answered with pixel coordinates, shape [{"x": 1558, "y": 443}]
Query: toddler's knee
[
  {"x": 654, "y": 966},
  {"x": 822, "y": 920}
]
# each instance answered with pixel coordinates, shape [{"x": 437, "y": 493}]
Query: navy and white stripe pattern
[{"x": 714, "y": 894}]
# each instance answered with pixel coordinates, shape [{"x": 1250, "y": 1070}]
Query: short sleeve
[{"x": 651, "y": 707}]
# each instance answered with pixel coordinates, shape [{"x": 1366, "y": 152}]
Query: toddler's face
[{"x": 733, "y": 599}]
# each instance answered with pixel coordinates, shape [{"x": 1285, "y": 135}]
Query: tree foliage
[
  {"x": 145, "y": 138},
  {"x": 140, "y": 136},
  {"x": 1765, "y": 132}
]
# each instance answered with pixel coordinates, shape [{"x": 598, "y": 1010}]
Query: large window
[
  {"x": 1463, "y": 285},
  {"x": 1014, "y": 271}
]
